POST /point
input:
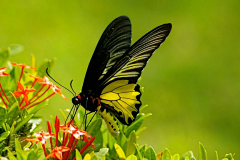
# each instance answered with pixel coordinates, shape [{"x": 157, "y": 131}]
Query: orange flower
[
  {"x": 2, "y": 71},
  {"x": 57, "y": 152},
  {"x": 23, "y": 91},
  {"x": 22, "y": 65}
]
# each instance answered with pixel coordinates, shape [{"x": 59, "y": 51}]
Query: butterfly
[{"x": 110, "y": 86}]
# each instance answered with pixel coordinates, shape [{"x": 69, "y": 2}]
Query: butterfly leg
[
  {"x": 75, "y": 110},
  {"x": 73, "y": 107},
  {"x": 91, "y": 118}
]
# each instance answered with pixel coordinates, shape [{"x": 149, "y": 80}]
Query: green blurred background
[{"x": 191, "y": 83}]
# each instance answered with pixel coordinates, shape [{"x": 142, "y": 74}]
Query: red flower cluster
[
  {"x": 71, "y": 135},
  {"x": 21, "y": 91}
]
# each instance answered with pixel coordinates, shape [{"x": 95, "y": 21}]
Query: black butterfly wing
[
  {"x": 114, "y": 42},
  {"x": 119, "y": 91}
]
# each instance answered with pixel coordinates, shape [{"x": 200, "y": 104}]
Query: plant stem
[
  {"x": 3, "y": 100},
  {"x": 41, "y": 100},
  {"x": 4, "y": 92}
]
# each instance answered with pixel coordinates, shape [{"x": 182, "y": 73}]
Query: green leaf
[
  {"x": 119, "y": 151},
  {"x": 35, "y": 109},
  {"x": 2, "y": 115},
  {"x": 78, "y": 155},
  {"x": 137, "y": 123},
  {"x": 216, "y": 155},
  {"x": 94, "y": 157},
  {"x": 122, "y": 141},
  {"x": 130, "y": 143},
  {"x": 138, "y": 152},
  {"x": 131, "y": 157},
  {"x": 22, "y": 123},
  {"x": 143, "y": 150},
  {"x": 4, "y": 135},
  {"x": 175, "y": 157},
  {"x": 229, "y": 156},
  {"x": 15, "y": 49},
  {"x": 13, "y": 113},
  {"x": 94, "y": 127},
  {"x": 166, "y": 155},
  {"x": 150, "y": 154},
  {"x": 202, "y": 153},
  {"x": 11, "y": 156},
  {"x": 42, "y": 68},
  {"x": 102, "y": 152},
  {"x": 18, "y": 146},
  {"x": 32, "y": 155},
  {"x": 111, "y": 141},
  {"x": 4, "y": 57},
  {"x": 63, "y": 114},
  {"x": 188, "y": 154}
]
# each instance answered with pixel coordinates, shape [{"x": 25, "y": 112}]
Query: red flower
[
  {"x": 22, "y": 65},
  {"x": 23, "y": 92},
  {"x": 73, "y": 130},
  {"x": 2, "y": 71},
  {"x": 57, "y": 89},
  {"x": 57, "y": 152},
  {"x": 49, "y": 84},
  {"x": 41, "y": 137}
]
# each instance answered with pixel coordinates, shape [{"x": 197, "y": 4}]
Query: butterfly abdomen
[{"x": 111, "y": 122}]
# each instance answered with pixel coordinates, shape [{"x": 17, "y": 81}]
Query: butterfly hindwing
[
  {"x": 122, "y": 99},
  {"x": 114, "y": 42}
]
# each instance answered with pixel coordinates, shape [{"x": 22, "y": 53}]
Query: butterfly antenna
[
  {"x": 57, "y": 82},
  {"x": 72, "y": 87}
]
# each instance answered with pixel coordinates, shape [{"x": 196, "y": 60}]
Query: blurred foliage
[{"x": 191, "y": 83}]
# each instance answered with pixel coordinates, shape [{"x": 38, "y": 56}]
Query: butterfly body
[
  {"x": 88, "y": 101},
  {"x": 110, "y": 86}
]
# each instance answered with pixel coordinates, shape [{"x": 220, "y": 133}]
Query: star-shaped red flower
[
  {"x": 57, "y": 152},
  {"x": 2, "y": 71},
  {"x": 23, "y": 91}
]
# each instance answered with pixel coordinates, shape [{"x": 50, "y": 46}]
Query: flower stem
[
  {"x": 86, "y": 145},
  {"x": 36, "y": 95},
  {"x": 21, "y": 73},
  {"x": 44, "y": 149},
  {"x": 72, "y": 148},
  {"x": 4, "y": 93},
  {"x": 41, "y": 101},
  {"x": 35, "y": 80},
  {"x": 3, "y": 100}
]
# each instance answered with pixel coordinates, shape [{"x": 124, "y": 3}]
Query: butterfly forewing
[
  {"x": 131, "y": 64},
  {"x": 114, "y": 42}
]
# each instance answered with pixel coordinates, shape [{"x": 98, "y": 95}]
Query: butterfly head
[{"x": 76, "y": 100}]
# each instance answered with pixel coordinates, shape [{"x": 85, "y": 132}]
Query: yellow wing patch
[{"x": 122, "y": 99}]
